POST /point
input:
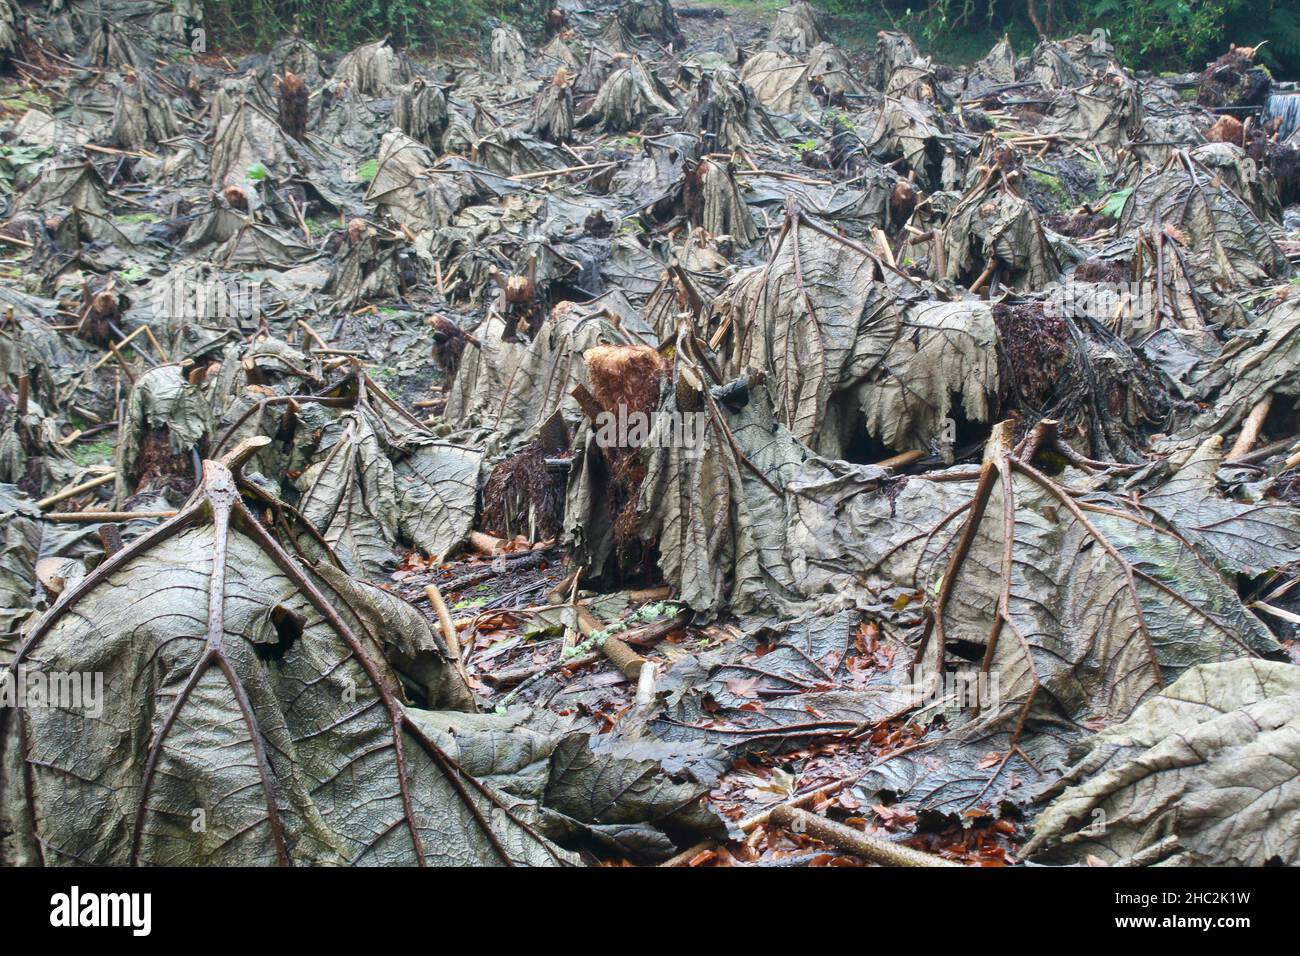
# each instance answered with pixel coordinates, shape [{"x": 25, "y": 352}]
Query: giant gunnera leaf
[
  {"x": 1206, "y": 773},
  {"x": 1075, "y": 607},
  {"x": 349, "y": 495},
  {"x": 247, "y": 715},
  {"x": 817, "y": 323}
]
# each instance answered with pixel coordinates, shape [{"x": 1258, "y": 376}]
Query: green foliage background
[
  {"x": 1162, "y": 35},
  {"x": 1158, "y": 35}
]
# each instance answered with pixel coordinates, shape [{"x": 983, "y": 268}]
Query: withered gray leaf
[
  {"x": 1206, "y": 773},
  {"x": 248, "y": 717}
]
